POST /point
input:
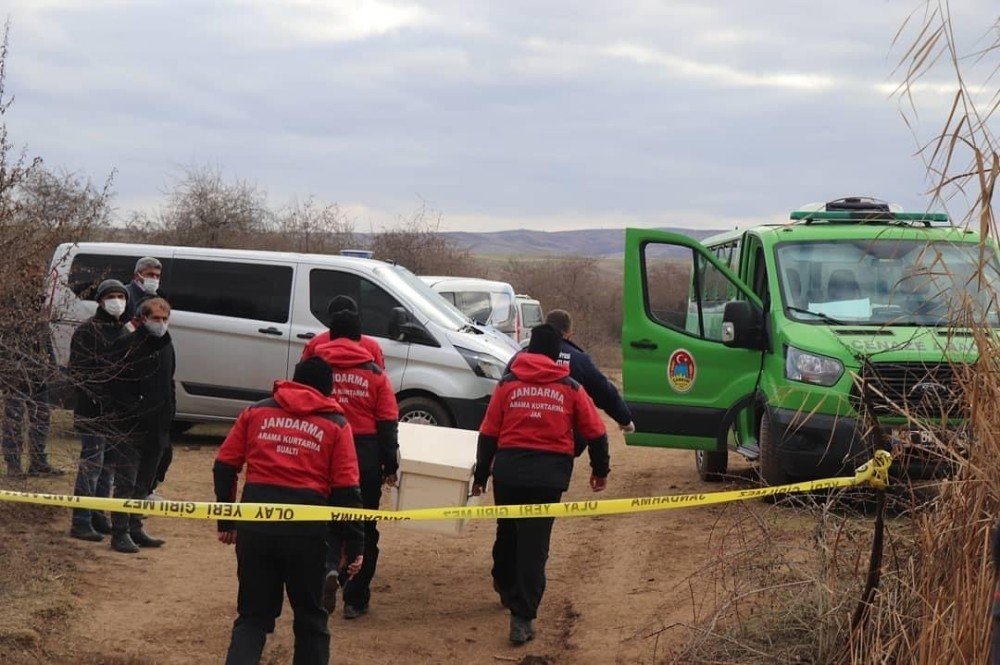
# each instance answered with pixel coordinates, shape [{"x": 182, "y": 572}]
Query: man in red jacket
[
  {"x": 297, "y": 447},
  {"x": 362, "y": 388},
  {"x": 526, "y": 441},
  {"x": 340, "y": 304}
]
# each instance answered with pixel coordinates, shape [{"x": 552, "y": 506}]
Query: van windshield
[
  {"x": 888, "y": 282},
  {"x": 431, "y": 304}
]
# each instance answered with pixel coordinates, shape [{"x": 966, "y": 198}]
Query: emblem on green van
[{"x": 681, "y": 371}]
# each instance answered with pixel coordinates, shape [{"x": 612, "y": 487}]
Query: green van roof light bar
[{"x": 865, "y": 209}]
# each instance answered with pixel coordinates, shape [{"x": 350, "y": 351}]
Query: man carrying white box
[{"x": 526, "y": 442}]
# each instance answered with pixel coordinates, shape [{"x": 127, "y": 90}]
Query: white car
[
  {"x": 484, "y": 301},
  {"x": 529, "y": 314},
  {"x": 241, "y": 319}
]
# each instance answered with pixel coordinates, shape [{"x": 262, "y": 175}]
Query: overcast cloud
[{"x": 500, "y": 115}]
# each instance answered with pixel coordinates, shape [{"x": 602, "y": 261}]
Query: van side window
[
  {"x": 257, "y": 291},
  {"x": 89, "y": 270},
  {"x": 374, "y": 303},
  {"x": 684, "y": 291}
]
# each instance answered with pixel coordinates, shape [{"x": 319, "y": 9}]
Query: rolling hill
[{"x": 584, "y": 242}]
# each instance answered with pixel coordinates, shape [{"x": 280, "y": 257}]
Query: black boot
[
  {"x": 122, "y": 542},
  {"x": 83, "y": 533},
  {"x": 143, "y": 539},
  {"x": 521, "y": 630},
  {"x": 101, "y": 523}
]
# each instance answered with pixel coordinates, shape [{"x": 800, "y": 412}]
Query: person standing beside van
[
  {"x": 343, "y": 304},
  {"x": 26, "y": 344},
  {"x": 363, "y": 390},
  {"x": 526, "y": 442},
  {"x": 92, "y": 372},
  {"x": 145, "y": 284},
  {"x": 154, "y": 372}
]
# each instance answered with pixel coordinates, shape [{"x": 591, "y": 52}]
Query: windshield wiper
[{"x": 818, "y": 315}]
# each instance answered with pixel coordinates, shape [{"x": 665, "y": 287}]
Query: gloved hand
[{"x": 629, "y": 428}]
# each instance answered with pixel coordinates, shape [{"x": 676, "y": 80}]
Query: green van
[{"x": 770, "y": 339}]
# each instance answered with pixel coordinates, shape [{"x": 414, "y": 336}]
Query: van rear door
[
  {"x": 681, "y": 383},
  {"x": 231, "y": 325}
]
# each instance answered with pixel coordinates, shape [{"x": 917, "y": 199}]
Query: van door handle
[
  {"x": 269, "y": 331},
  {"x": 306, "y": 335},
  {"x": 643, "y": 344}
]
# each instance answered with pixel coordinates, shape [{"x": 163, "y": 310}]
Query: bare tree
[
  {"x": 313, "y": 227},
  {"x": 417, "y": 244}
]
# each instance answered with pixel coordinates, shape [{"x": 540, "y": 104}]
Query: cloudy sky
[{"x": 512, "y": 114}]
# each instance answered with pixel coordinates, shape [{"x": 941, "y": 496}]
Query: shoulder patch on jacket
[
  {"x": 266, "y": 403},
  {"x": 337, "y": 418},
  {"x": 571, "y": 382}
]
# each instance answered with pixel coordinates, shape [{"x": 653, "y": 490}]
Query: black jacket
[
  {"x": 106, "y": 365},
  {"x": 93, "y": 369},
  {"x": 154, "y": 372},
  {"x": 583, "y": 370},
  {"x": 136, "y": 294}
]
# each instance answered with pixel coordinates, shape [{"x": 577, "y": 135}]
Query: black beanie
[
  {"x": 314, "y": 373},
  {"x": 546, "y": 340},
  {"x": 345, "y": 323},
  {"x": 339, "y": 303}
]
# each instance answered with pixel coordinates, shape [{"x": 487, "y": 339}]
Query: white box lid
[{"x": 443, "y": 452}]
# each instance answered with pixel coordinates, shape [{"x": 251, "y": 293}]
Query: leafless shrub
[
  {"x": 586, "y": 287},
  {"x": 39, "y": 209},
  {"x": 313, "y": 227},
  {"x": 416, "y": 244}
]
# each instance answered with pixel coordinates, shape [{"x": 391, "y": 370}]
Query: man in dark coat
[
  {"x": 145, "y": 284},
  {"x": 154, "y": 373},
  {"x": 93, "y": 371}
]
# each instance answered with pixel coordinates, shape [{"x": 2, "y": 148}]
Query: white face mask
[
  {"x": 114, "y": 306},
  {"x": 156, "y": 328},
  {"x": 151, "y": 284}
]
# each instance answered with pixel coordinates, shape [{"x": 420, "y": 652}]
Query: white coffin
[{"x": 435, "y": 465}]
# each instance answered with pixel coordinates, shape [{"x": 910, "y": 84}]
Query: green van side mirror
[{"x": 742, "y": 325}]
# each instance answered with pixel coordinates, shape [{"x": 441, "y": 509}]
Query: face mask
[
  {"x": 156, "y": 328},
  {"x": 114, "y": 306},
  {"x": 150, "y": 284}
]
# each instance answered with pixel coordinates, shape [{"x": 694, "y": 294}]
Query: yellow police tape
[{"x": 874, "y": 473}]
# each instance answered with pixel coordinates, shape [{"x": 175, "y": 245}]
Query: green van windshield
[{"x": 888, "y": 282}]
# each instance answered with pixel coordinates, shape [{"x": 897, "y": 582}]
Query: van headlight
[
  {"x": 810, "y": 368},
  {"x": 483, "y": 364}
]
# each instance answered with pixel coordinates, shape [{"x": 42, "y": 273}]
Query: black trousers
[
  {"x": 269, "y": 565},
  {"x": 357, "y": 592},
  {"x": 521, "y": 548},
  {"x": 133, "y": 461}
]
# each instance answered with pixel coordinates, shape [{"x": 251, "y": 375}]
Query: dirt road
[{"x": 612, "y": 582}]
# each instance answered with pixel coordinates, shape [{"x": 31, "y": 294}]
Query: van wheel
[
  {"x": 771, "y": 471},
  {"x": 178, "y": 427},
  {"x": 712, "y": 465},
  {"x": 423, "y": 411}
]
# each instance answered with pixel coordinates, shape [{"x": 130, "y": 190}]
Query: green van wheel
[
  {"x": 712, "y": 465},
  {"x": 771, "y": 471}
]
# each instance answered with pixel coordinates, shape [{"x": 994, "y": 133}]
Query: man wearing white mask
[
  {"x": 150, "y": 370},
  {"x": 94, "y": 371},
  {"x": 144, "y": 285}
]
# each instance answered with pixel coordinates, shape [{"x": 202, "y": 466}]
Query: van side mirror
[
  {"x": 403, "y": 328},
  {"x": 742, "y": 325}
]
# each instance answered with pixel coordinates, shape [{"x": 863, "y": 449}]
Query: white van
[
  {"x": 241, "y": 319},
  {"x": 484, "y": 301},
  {"x": 529, "y": 314}
]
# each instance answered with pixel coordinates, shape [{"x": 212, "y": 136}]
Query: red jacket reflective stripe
[
  {"x": 297, "y": 440},
  {"x": 367, "y": 342},
  {"x": 359, "y": 385},
  {"x": 538, "y": 406}
]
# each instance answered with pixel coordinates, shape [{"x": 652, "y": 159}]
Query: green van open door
[{"x": 685, "y": 387}]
